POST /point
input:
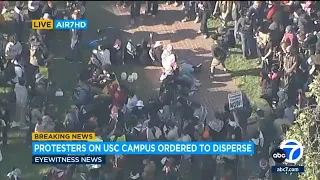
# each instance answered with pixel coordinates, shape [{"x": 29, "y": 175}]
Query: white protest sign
[{"x": 235, "y": 100}]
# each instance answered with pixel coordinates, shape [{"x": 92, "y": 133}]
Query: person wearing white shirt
[
  {"x": 13, "y": 48},
  {"x": 18, "y": 70},
  {"x": 132, "y": 102},
  {"x": 21, "y": 103},
  {"x": 168, "y": 59},
  {"x": 34, "y": 11},
  {"x": 102, "y": 55}
]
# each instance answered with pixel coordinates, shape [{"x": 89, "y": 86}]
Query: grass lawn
[
  {"x": 17, "y": 154},
  {"x": 245, "y": 73}
]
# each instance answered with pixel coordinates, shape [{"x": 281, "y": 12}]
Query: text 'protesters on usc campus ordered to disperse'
[{"x": 101, "y": 148}]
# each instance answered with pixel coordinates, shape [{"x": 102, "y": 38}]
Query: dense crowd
[{"x": 283, "y": 35}]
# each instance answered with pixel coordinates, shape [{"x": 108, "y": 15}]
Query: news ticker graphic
[
  {"x": 66, "y": 159},
  {"x": 85, "y": 136},
  {"x": 150, "y": 148},
  {"x": 287, "y": 169},
  {"x": 59, "y": 24}
]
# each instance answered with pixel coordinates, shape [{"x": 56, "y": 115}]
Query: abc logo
[
  {"x": 293, "y": 150},
  {"x": 279, "y": 155}
]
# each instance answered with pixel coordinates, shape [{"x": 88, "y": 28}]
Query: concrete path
[{"x": 188, "y": 45}]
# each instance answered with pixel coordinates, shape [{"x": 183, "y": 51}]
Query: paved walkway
[{"x": 188, "y": 45}]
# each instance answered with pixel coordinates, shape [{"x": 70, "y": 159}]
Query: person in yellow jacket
[
  {"x": 118, "y": 137},
  {"x": 98, "y": 137}
]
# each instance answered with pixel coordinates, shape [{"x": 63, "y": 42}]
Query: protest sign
[{"x": 235, "y": 100}]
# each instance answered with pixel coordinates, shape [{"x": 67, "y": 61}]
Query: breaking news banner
[
  {"x": 150, "y": 148},
  {"x": 59, "y": 24},
  {"x": 68, "y": 136},
  {"x": 67, "y": 159}
]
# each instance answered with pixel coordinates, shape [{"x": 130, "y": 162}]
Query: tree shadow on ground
[
  {"x": 201, "y": 51},
  {"x": 248, "y": 72},
  {"x": 183, "y": 34},
  {"x": 137, "y": 36},
  {"x": 164, "y": 17}
]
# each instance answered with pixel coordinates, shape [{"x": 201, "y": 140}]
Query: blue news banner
[{"x": 55, "y": 152}]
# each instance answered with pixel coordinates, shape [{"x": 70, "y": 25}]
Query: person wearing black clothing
[
  {"x": 188, "y": 10},
  {"x": 318, "y": 44},
  {"x": 219, "y": 55},
  {"x": 152, "y": 8},
  {"x": 255, "y": 13},
  {"x": 155, "y": 53},
  {"x": 239, "y": 10},
  {"x": 75, "y": 46},
  {"x": 143, "y": 53},
  {"x": 228, "y": 38},
  {"x": 5, "y": 116},
  {"x": 310, "y": 44},
  {"x": 271, "y": 82},
  {"x": 135, "y": 7},
  {"x": 204, "y": 14},
  {"x": 51, "y": 9},
  {"x": 245, "y": 27},
  {"x": 208, "y": 168},
  {"x": 268, "y": 54},
  {"x": 304, "y": 21},
  {"x": 18, "y": 17}
]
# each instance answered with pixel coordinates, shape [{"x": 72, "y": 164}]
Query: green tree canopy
[{"x": 306, "y": 130}]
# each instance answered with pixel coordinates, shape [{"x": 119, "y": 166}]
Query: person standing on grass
[
  {"x": 34, "y": 10},
  {"x": 224, "y": 9},
  {"x": 219, "y": 56},
  {"x": 75, "y": 41},
  {"x": 256, "y": 14},
  {"x": 203, "y": 16},
  {"x": 291, "y": 61},
  {"x": 3, "y": 9},
  {"x": 5, "y": 124},
  {"x": 21, "y": 104},
  {"x": 51, "y": 9},
  {"x": 19, "y": 20},
  {"x": 124, "y": 4},
  {"x": 249, "y": 46},
  {"x": 13, "y": 48},
  {"x": 44, "y": 33}
]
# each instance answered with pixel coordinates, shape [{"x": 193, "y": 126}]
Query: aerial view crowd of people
[{"x": 282, "y": 35}]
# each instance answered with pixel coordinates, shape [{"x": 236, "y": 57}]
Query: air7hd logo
[{"x": 290, "y": 151}]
